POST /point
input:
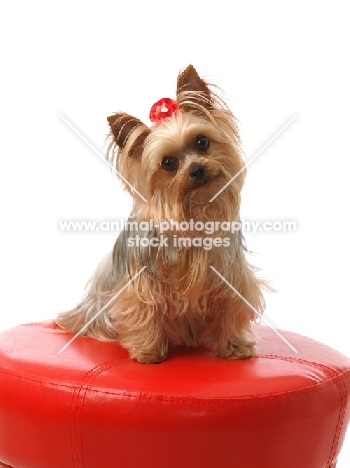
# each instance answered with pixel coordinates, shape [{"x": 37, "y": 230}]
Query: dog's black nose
[{"x": 197, "y": 171}]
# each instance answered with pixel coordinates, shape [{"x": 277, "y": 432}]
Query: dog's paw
[
  {"x": 238, "y": 351},
  {"x": 147, "y": 357}
]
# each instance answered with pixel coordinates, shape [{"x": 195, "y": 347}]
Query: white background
[{"x": 273, "y": 59}]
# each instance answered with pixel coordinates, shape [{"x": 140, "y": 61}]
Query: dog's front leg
[
  {"x": 153, "y": 355},
  {"x": 230, "y": 332},
  {"x": 142, "y": 334}
]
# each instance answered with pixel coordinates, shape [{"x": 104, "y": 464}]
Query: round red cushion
[{"x": 92, "y": 406}]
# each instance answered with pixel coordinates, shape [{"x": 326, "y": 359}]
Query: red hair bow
[{"x": 162, "y": 109}]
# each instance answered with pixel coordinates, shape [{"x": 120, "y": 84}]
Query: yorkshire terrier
[{"x": 173, "y": 169}]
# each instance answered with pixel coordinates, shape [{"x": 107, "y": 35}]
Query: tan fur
[{"x": 178, "y": 299}]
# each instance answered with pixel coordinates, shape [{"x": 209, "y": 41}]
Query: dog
[{"x": 166, "y": 283}]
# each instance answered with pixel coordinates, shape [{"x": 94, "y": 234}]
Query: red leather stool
[{"x": 93, "y": 407}]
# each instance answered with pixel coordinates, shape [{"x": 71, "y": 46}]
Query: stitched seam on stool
[
  {"x": 246, "y": 400},
  {"x": 340, "y": 422},
  {"x": 96, "y": 372},
  {"x": 34, "y": 324},
  {"x": 343, "y": 399},
  {"x": 311, "y": 388},
  {"x": 294, "y": 359},
  {"x": 83, "y": 385},
  {"x": 78, "y": 419},
  {"x": 50, "y": 325},
  {"x": 36, "y": 380},
  {"x": 239, "y": 400},
  {"x": 291, "y": 394}
]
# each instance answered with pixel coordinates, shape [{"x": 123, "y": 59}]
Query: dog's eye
[
  {"x": 202, "y": 143},
  {"x": 170, "y": 164}
]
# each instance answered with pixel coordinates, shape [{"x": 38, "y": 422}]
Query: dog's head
[{"x": 183, "y": 161}]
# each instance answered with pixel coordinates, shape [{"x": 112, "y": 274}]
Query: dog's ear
[
  {"x": 123, "y": 126},
  {"x": 192, "y": 91}
]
